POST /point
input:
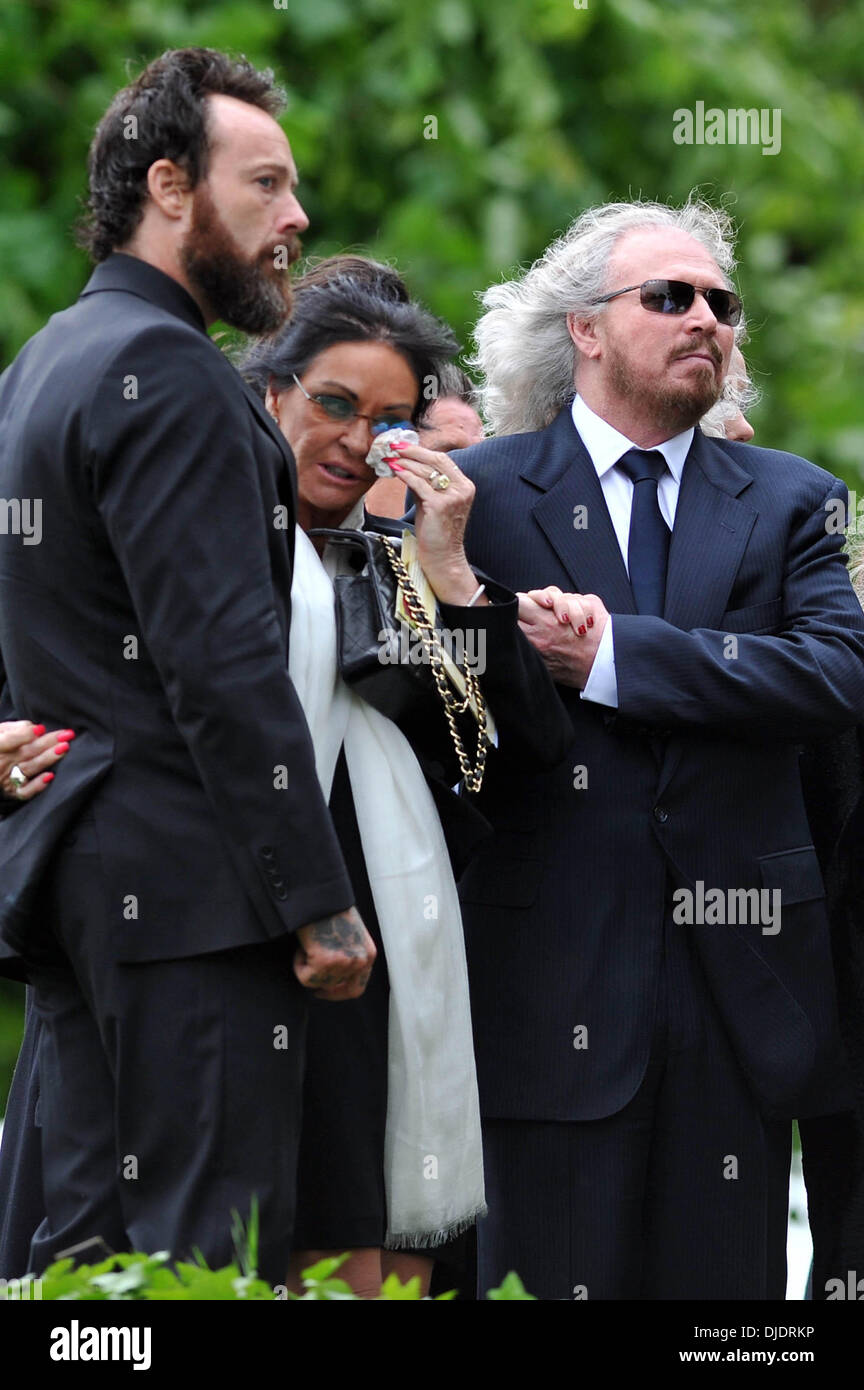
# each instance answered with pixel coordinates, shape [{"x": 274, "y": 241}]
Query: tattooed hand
[{"x": 334, "y": 957}]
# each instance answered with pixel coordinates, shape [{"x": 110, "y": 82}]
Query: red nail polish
[
  {"x": 61, "y": 747},
  {"x": 590, "y": 622},
  {"x": 67, "y": 734},
  {"x": 38, "y": 730},
  {"x": 581, "y": 629},
  {"x": 47, "y": 776},
  {"x": 397, "y": 467},
  {"x": 400, "y": 444}
]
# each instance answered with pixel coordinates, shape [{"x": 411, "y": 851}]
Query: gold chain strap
[{"x": 453, "y": 705}]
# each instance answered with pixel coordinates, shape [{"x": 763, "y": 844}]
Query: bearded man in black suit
[{"x": 181, "y": 887}]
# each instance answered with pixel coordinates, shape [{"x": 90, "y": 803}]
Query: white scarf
[{"x": 433, "y": 1162}]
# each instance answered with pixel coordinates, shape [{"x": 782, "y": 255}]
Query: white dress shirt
[{"x": 606, "y": 446}]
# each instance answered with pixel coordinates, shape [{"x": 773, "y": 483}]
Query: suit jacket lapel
[
  {"x": 287, "y": 480},
  {"x": 573, "y": 515},
  {"x": 711, "y": 531}
]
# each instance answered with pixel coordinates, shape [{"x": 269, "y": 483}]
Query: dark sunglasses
[
  {"x": 340, "y": 408},
  {"x": 676, "y": 297}
]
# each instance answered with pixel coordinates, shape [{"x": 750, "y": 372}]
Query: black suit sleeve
[
  {"x": 800, "y": 684},
  {"x": 177, "y": 484},
  {"x": 534, "y": 728}
]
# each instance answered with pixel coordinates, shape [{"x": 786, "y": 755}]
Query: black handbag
[{"x": 397, "y": 670}]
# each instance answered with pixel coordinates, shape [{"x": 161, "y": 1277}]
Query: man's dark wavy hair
[{"x": 168, "y": 103}]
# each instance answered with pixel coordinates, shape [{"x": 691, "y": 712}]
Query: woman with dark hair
[
  {"x": 375, "y": 275},
  {"x": 394, "y": 1068}
]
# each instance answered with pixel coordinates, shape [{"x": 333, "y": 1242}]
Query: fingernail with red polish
[
  {"x": 61, "y": 747},
  {"x": 47, "y": 776},
  {"x": 67, "y": 734},
  {"x": 400, "y": 444},
  {"x": 581, "y": 629},
  {"x": 397, "y": 467},
  {"x": 38, "y": 730},
  {"x": 590, "y": 622}
]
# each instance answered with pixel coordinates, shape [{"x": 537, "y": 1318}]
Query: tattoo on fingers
[{"x": 340, "y": 933}]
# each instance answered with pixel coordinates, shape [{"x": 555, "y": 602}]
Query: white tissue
[{"x": 384, "y": 445}]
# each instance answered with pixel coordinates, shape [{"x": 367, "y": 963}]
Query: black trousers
[
  {"x": 169, "y": 1092},
  {"x": 22, "y": 1205},
  {"x": 683, "y": 1194}
]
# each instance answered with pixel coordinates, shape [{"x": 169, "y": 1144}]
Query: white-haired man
[{"x": 649, "y": 960}]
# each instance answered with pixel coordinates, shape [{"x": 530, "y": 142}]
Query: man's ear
[
  {"x": 168, "y": 186},
  {"x": 583, "y": 332}
]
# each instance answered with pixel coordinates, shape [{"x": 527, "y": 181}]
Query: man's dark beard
[
  {"x": 674, "y": 408},
  {"x": 251, "y": 295}
]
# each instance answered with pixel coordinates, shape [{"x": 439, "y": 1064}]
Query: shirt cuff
[{"x": 601, "y": 687}]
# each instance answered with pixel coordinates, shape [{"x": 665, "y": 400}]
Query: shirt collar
[
  {"x": 606, "y": 445},
  {"x": 133, "y": 275}
]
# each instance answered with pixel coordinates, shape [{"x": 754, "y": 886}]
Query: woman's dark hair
[
  {"x": 383, "y": 278},
  {"x": 161, "y": 115},
  {"x": 340, "y": 308}
]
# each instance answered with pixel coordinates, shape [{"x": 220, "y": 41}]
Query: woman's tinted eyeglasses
[
  {"x": 676, "y": 297},
  {"x": 340, "y": 408}
]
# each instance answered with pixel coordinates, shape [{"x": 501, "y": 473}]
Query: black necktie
[{"x": 648, "y": 545}]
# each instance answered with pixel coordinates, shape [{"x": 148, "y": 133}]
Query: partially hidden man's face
[
  {"x": 245, "y": 219},
  {"x": 670, "y": 366},
  {"x": 450, "y": 423}
]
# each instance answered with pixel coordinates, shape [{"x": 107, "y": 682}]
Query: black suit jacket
[
  {"x": 153, "y": 619},
  {"x": 564, "y": 910}
]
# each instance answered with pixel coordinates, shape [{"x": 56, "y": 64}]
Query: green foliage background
[{"x": 542, "y": 108}]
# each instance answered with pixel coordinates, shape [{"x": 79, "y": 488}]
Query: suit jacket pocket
[
  {"x": 759, "y": 617},
  {"x": 795, "y": 872},
  {"x": 501, "y": 881}
]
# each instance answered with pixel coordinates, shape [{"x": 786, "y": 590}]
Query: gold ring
[{"x": 441, "y": 483}]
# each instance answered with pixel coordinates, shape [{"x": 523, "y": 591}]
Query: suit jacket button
[
  {"x": 661, "y": 814},
  {"x": 281, "y": 892}
]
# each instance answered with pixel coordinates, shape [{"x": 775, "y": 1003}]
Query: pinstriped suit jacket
[{"x": 760, "y": 648}]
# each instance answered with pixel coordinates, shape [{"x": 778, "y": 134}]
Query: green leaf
[
  {"x": 324, "y": 1268},
  {"x": 511, "y": 1289},
  {"x": 395, "y": 1291}
]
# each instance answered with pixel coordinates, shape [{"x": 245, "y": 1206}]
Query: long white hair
[
  {"x": 739, "y": 396},
  {"x": 524, "y": 353}
]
